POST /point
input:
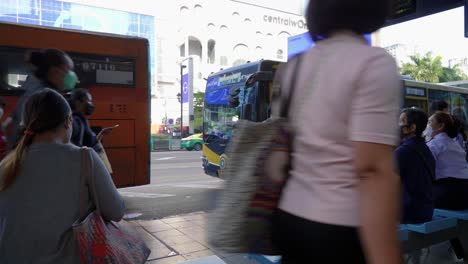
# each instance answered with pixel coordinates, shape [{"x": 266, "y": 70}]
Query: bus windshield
[
  {"x": 219, "y": 116},
  {"x": 220, "y": 120}
]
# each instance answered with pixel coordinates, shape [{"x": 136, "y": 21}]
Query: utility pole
[{"x": 182, "y": 67}]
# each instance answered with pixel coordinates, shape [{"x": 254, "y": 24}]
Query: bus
[
  {"x": 229, "y": 98},
  {"x": 114, "y": 68},
  {"x": 422, "y": 95}
]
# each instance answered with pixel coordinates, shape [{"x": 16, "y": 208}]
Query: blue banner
[
  {"x": 303, "y": 42},
  {"x": 185, "y": 88}
]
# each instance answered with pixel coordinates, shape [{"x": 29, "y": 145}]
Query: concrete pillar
[{"x": 187, "y": 47}]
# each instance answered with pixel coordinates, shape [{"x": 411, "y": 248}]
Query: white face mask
[{"x": 428, "y": 132}]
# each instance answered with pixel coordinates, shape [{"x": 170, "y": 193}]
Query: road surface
[{"x": 178, "y": 186}]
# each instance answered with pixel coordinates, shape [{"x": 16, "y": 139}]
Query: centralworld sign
[{"x": 286, "y": 21}]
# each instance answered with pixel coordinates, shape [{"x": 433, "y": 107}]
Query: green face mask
[{"x": 69, "y": 80}]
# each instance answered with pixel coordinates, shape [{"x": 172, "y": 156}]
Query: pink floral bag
[{"x": 100, "y": 241}]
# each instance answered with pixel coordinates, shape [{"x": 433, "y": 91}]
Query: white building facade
[
  {"x": 402, "y": 52},
  {"x": 461, "y": 62},
  {"x": 217, "y": 35}
]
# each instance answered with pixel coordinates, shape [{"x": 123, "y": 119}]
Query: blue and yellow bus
[{"x": 227, "y": 100}]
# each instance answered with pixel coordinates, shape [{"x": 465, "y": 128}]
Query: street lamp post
[{"x": 182, "y": 67}]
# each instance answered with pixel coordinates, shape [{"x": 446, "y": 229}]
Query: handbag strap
[
  {"x": 87, "y": 175},
  {"x": 285, "y": 108},
  {"x": 312, "y": 81}
]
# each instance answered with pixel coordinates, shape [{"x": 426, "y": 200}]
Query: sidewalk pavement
[{"x": 181, "y": 239}]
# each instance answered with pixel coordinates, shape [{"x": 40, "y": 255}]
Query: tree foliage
[{"x": 427, "y": 68}]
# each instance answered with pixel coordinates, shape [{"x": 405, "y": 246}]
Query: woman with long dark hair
[
  {"x": 450, "y": 188},
  {"x": 40, "y": 187}
]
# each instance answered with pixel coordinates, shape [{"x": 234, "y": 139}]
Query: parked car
[{"x": 194, "y": 142}]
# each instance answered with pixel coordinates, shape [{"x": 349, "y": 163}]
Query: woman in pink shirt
[{"x": 341, "y": 203}]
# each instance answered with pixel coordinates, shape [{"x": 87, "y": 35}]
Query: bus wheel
[{"x": 197, "y": 147}]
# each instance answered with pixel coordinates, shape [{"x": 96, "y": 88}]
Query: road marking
[
  {"x": 199, "y": 186},
  {"x": 166, "y": 158},
  {"x": 185, "y": 165},
  {"x": 145, "y": 195},
  {"x": 209, "y": 184},
  {"x": 132, "y": 216}
]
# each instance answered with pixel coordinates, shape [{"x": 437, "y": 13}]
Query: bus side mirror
[
  {"x": 233, "y": 98},
  {"x": 258, "y": 77}
]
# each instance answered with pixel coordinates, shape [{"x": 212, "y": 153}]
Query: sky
[{"x": 442, "y": 33}]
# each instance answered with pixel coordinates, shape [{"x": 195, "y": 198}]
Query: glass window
[
  {"x": 28, "y": 21},
  {"x": 70, "y": 26},
  {"x": 8, "y": 19},
  {"x": 50, "y": 15},
  {"x": 459, "y": 106},
  {"x": 13, "y": 69},
  {"x": 16, "y": 80},
  {"x": 66, "y": 6},
  {"x": 133, "y": 18},
  {"x": 104, "y": 70},
  {"x": 47, "y": 23},
  {"x": 24, "y": 6},
  {"x": 438, "y": 95},
  {"x": 8, "y": 7},
  {"x": 51, "y": 5}
]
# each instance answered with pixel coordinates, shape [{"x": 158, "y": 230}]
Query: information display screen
[
  {"x": 404, "y": 8},
  {"x": 104, "y": 70}
]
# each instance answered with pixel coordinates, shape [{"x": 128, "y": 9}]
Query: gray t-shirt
[{"x": 38, "y": 210}]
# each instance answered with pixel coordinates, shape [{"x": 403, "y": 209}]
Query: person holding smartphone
[{"x": 81, "y": 103}]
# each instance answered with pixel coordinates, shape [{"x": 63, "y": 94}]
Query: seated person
[
  {"x": 461, "y": 137},
  {"x": 40, "y": 182},
  {"x": 450, "y": 188},
  {"x": 416, "y": 166},
  {"x": 81, "y": 103},
  {"x": 439, "y": 105}
]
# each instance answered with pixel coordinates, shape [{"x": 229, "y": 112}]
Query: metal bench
[
  {"x": 437, "y": 224},
  {"x": 261, "y": 259},
  {"x": 206, "y": 260},
  {"x": 460, "y": 215},
  {"x": 443, "y": 227},
  {"x": 403, "y": 233}
]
